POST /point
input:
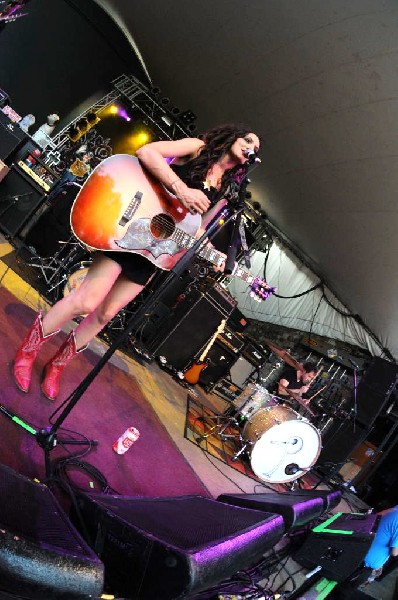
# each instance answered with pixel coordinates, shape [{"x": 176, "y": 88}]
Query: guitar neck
[
  {"x": 212, "y": 340},
  {"x": 217, "y": 258}
]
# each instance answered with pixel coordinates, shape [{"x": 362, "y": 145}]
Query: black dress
[{"x": 139, "y": 269}]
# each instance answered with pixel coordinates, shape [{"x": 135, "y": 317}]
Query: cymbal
[{"x": 284, "y": 355}]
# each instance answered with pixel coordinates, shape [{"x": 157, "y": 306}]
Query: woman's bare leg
[
  {"x": 97, "y": 284},
  {"x": 123, "y": 291}
]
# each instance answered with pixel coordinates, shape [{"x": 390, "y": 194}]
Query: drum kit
[{"x": 281, "y": 444}]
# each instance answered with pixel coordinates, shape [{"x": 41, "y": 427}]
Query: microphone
[
  {"x": 292, "y": 469},
  {"x": 251, "y": 156}
]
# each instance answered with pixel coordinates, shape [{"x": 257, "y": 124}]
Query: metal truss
[
  {"x": 143, "y": 103},
  {"x": 153, "y": 114}
]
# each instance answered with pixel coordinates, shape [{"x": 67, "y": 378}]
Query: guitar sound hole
[{"x": 162, "y": 226}]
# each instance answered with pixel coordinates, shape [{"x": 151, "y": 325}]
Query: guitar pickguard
[{"x": 139, "y": 237}]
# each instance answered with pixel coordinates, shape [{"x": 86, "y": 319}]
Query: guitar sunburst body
[{"x": 122, "y": 208}]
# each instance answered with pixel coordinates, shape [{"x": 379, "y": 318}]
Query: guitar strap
[{"x": 243, "y": 240}]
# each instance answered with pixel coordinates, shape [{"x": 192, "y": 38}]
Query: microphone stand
[{"x": 47, "y": 437}]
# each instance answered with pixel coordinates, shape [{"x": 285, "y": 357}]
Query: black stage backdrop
[{"x": 61, "y": 57}]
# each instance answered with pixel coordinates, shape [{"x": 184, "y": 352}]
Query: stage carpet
[{"x": 153, "y": 466}]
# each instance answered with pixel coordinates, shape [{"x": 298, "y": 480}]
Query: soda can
[{"x": 126, "y": 440}]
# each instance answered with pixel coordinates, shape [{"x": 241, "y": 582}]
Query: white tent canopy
[
  {"x": 309, "y": 312},
  {"x": 319, "y": 82}
]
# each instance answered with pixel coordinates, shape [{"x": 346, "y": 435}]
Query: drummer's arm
[
  {"x": 303, "y": 390},
  {"x": 283, "y": 389}
]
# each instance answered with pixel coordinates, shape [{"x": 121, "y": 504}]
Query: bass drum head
[{"x": 284, "y": 443}]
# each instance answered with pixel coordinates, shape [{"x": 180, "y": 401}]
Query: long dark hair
[{"x": 218, "y": 141}]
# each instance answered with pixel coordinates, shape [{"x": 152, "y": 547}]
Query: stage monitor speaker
[
  {"x": 296, "y": 510},
  {"x": 41, "y": 553},
  {"x": 191, "y": 325},
  {"x": 330, "y": 498},
  {"x": 339, "y": 441},
  {"x": 220, "y": 359},
  {"x": 375, "y": 388},
  {"x": 338, "y": 545},
  {"x": 20, "y": 198},
  {"x": 174, "y": 547}
]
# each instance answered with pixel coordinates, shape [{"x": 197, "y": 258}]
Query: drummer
[{"x": 294, "y": 383}]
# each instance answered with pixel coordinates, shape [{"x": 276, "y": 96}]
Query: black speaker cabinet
[
  {"x": 171, "y": 548},
  {"x": 185, "y": 334},
  {"x": 339, "y": 545},
  {"x": 41, "y": 553},
  {"x": 20, "y": 198},
  {"x": 340, "y": 441},
  {"x": 375, "y": 388}
]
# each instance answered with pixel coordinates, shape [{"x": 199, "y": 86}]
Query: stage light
[
  {"x": 167, "y": 120},
  {"x": 73, "y": 133},
  {"x": 164, "y": 101},
  {"x": 187, "y": 117},
  {"x": 82, "y": 125},
  {"x": 143, "y": 137},
  {"x": 114, "y": 109},
  {"x": 123, "y": 114},
  {"x": 92, "y": 118}
]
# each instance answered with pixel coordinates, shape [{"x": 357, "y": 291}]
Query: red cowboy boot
[
  {"x": 26, "y": 355},
  {"x": 53, "y": 369}
]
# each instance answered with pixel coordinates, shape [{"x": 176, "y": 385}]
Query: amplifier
[
  {"x": 36, "y": 178},
  {"x": 187, "y": 331},
  {"x": 227, "y": 390},
  {"x": 221, "y": 298},
  {"x": 231, "y": 340},
  {"x": 254, "y": 355},
  {"x": 339, "y": 545},
  {"x": 12, "y": 139}
]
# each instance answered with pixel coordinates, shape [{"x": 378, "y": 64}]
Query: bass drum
[{"x": 284, "y": 444}]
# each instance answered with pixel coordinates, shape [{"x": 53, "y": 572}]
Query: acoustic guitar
[
  {"x": 121, "y": 207},
  {"x": 193, "y": 372}
]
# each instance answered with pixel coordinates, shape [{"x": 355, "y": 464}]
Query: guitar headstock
[{"x": 260, "y": 290}]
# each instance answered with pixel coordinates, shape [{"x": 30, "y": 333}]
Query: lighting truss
[
  {"x": 152, "y": 113},
  {"x": 140, "y": 99}
]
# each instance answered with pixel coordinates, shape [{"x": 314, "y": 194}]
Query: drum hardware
[
  {"x": 56, "y": 270},
  {"x": 222, "y": 423}
]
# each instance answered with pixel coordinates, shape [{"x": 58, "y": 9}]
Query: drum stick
[{"x": 318, "y": 392}]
